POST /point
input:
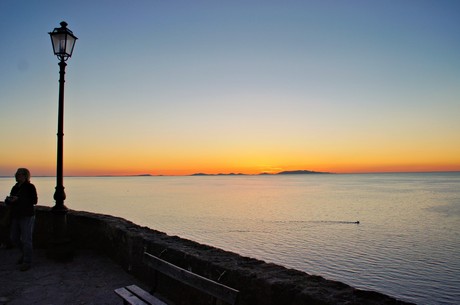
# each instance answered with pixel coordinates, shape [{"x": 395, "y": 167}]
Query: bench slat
[
  {"x": 128, "y": 297},
  {"x": 196, "y": 281},
  {"x": 144, "y": 295}
]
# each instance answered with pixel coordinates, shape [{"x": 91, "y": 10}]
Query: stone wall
[{"x": 258, "y": 282}]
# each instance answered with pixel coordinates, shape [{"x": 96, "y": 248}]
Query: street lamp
[{"x": 63, "y": 41}]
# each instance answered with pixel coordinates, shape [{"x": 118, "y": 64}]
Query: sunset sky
[{"x": 179, "y": 87}]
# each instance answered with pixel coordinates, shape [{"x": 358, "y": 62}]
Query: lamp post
[{"x": 63, "y": 42}]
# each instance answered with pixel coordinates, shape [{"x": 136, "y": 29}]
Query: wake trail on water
[
  {"x": 357, "y": 222},
  {"x": 336, "y": 221}
]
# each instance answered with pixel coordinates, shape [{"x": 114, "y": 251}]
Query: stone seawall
[{"x": 260, "y": 283}]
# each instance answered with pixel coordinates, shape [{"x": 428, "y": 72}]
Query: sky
[{"x": 179, "y": 87}]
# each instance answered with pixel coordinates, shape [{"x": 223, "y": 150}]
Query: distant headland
[
  {"x": 301, "y": 172},
  {"x": 295, "y": 172}
]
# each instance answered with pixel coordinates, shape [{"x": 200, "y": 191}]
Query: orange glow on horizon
[
  {"x": 338, "y": 169},
  {"x": 127, "y": 163}
]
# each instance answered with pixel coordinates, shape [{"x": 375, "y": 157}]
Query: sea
[{"x": 395, "y": 233}]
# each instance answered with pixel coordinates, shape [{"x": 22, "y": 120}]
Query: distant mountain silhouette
[
  {"x": 220, "y": 174},
  {"x": 300, "y": 172},
  {"x": 296, "y": 172}
]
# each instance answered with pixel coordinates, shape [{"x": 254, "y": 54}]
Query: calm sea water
[{"x": 406, "y": 245}]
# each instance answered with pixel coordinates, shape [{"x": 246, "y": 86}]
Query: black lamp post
[{"x": 63, "y": 42}]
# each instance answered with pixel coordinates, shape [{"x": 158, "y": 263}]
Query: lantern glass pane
[
  {"x": 59, "y": 43},
  {"x": 70, "y": 44}
]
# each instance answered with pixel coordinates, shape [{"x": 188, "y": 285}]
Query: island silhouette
[{"x": 294, "y": 172}]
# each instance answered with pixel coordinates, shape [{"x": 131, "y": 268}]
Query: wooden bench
[{"x": 136, "y": 296}]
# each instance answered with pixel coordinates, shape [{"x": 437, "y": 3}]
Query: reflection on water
[{"x": 407, "y": 242}]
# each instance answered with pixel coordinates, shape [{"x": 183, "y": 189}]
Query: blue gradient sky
[{"x": 177, "y": 87}]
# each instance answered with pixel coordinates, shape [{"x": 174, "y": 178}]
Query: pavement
[{"x": 89, "y": 279}]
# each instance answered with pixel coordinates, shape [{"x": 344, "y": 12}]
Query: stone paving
[{"x": 89, "y": 279}]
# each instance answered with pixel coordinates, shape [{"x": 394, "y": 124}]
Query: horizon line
[{"x": 243, "y": 174}]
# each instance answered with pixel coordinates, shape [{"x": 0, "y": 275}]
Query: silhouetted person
[{"x": 22, "y": 200}]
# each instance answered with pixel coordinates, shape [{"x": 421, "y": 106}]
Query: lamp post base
[{"x": 60, "y": 247}]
